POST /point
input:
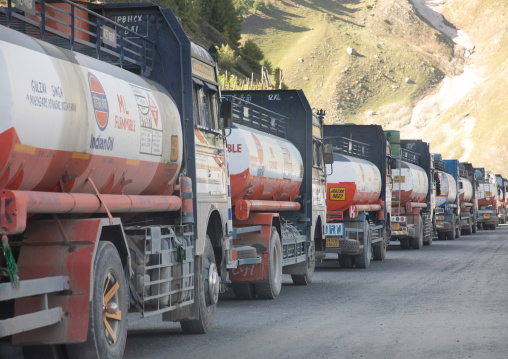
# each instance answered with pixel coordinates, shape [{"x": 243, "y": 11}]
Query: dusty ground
[{"x": 444, "y": 301}]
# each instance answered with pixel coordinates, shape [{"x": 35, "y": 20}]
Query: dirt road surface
[{"x": 448, "y": 300}]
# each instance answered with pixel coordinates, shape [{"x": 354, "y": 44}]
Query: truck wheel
[
  {"x": 404, "y": 243},
  {"x": 417, "y": 242},
  {"x": 244, "y": 291},
  {"x": 493, "y": 226},
  {"x": 474, "y": 227},
  {"x": 362, "y": 260},
  {"x": 44, "y": 351},
  {"x": 270, "y": 287},
  {"x": 457, "y": 229},
  {"x": 310, "y": 267},
  {"x": 345, "y": 261},
  {"x": 469, "y": 229},
  {"x": 107, "y": 326},
  {"x": 450, "y": 235},
  {"x": 379, "y": 248},
  {"x": 441, "y": 236},
  {"x": 208, "y": 284}
]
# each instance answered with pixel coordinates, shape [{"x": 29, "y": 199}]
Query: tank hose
[{"x": 12, "y": 268}]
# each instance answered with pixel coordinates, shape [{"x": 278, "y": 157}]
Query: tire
[
  {"x": 244, "y": 291},
  {"x": 44, "y": 351},
  {"x": 379, "y": 249},
  {"x": 457, "y": 229},
  {"x": 492, "y": 227},
  {"x": 345, "y": 261},
  {"x": 441, "y": 236},
  {"x": 362, "y": 260},
  {"x": 404, "y": 243},
  {"x": 270, "y": 287},
  {"x": 208, "y": 286},
  {"x": 306, "y": 279},
  {"x": 450, "y": 235},
  {"x": 417, "y": 242},
  {"x": 108, "y": 281},
  {"x": 474, "y": 227},
  {"x": 469, "y": 230}
]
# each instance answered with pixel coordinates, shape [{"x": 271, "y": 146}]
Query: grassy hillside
[
  {"x": 400, "y": 59},
  {"x": 486, "y": 23}
]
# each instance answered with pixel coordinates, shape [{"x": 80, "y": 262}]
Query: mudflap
[
  {"x": 59, "y": 248},
  {"x": 259, "y": 240}
]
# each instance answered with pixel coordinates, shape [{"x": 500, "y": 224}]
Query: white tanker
[
  {"x": 465, "y": 190},
  {"x": 448, "y": 189}
]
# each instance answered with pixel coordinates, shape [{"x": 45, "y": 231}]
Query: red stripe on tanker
[
  {"x": 67, "y": 116},
  {"x": 262, "y": 166},
  {"x": 353, "y": 181},
  {"x": 412, "y": 183},
  {"x": 448, "y": 189}
]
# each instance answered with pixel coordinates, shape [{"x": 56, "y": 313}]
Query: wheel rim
[
  {"x": 112, "y": 315},
  {"x": 211, "y": 283},
  {"x": 276, "y": 265}
]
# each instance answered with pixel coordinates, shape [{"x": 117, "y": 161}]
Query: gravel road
[{"x": 448, "y": 300}]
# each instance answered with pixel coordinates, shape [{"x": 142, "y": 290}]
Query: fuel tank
[
  {"x": 410, "y": 183},
  {"x": 448, "y": 189},
  {"x": 66, "y": 117},
  {"x": 487, "y": 193},
  {"x": 465, "y": 190},
  {"x": 353, "y": 181},
  {"x": 263, "y": 166}
]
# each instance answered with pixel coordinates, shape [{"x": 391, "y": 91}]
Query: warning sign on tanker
[
  {"x": 151, "y": 128},
  {"x": 399, "y": 179},
  {"x": 337, "y": 194}
]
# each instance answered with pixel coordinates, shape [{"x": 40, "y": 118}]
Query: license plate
[
  {"x": 332, "y": 242},
  {"x": 440, "y": 218},
  {"x": 395, "y": 226},
  {"x": 486, "y": 215}
]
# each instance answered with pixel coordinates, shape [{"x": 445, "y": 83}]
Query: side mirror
[
  {"x": 226, "y": 115},
  {"x": 328, "y": 154}
]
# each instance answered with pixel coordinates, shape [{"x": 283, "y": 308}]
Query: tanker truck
[
  {"x": 467, "y": 197},
  {"x": 358, "y": 194},
  {"x": 412, "y": 192},
  {"x": 278, "y": 185},
  {"x": 113, "y": 177},
  {"x": 447, "y": 198},
  {"x": 501, "y": 204},
  {"x": 488, "y": 211}
]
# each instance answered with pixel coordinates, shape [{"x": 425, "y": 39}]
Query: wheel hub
[{"x": 212, "y": 283}]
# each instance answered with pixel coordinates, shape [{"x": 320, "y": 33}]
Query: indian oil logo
[{"x": 99, "y": 101}]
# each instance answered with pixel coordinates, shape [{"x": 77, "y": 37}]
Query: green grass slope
[{"x": 400, "y": 59}]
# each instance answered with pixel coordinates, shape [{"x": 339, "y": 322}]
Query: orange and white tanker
[
  {"x": 412, "y": 199},
  {"x": 353, "y": 181},
  {"x": 262, "y": 166},
  {"x": 358, "y": 194},
  {"x": 411, "y": 183},
  {"x": 68, "y": 118}
]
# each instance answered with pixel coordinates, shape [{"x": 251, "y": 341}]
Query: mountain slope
[{"x": 405, "y": 75}]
